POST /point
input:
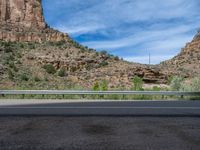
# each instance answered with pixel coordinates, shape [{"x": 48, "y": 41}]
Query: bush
[
  {"x": 96, "y": 86},
  {"x": 104, "y": 85},
  {"x": 156, "y": 88},
  {"x": 60, "y": 43},
  {"x": 31, "y": 45},
  {"x": 176, "y": 83},
  {"x": 24, "y": 77},
  {"x": 12, "y": 65},
  {"x": 194, "y": 86},
  {"x": 50, "y": 68},
  {"x": 137, "y": 83},
  {"x": 36, "y": 79},
  {"x": 61, "y": 72},
  {"x": 103, "y": 63},
  {"x": 8, "y": 49}
]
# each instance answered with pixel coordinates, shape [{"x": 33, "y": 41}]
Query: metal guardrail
[{"x": 64, "y": 92}]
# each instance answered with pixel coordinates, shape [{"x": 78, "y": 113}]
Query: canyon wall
[{"x": 22, "y": 20}]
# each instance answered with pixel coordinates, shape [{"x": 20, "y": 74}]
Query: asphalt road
[
  {"x": 109, "y": 108},
  {"x": 99, "y": 133},
  {"x": 129, "y": 125}
]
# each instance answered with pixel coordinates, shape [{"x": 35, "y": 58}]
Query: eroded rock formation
[{"x": 22, "y": 20}]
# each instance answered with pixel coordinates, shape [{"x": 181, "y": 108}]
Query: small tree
[
  {"x": 50, "y": 68},
  {"x": 176, "y": 83},
  {"x": 137, "y": 83},
  {"x": 61, "y": 72},
  {"x": 96, "y": 87}
]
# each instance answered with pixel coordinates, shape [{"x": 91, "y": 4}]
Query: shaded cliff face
[
  {"x": 187, "y": 62},
  {"x": 22, "y": 20}
]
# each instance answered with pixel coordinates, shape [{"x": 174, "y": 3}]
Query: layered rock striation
[{"x": 22, "y": 20}]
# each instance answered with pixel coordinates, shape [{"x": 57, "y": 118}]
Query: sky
[{"x": 130, "y": 29}]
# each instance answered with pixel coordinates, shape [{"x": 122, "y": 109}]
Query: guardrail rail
[{"x": 83, "y": 93}]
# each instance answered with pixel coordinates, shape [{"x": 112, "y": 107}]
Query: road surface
[
  {"x": 104, "y": 108},
  {"x": 137, "y": 125}
]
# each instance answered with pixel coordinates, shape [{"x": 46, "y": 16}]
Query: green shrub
[
  {"x": 104, "y": 85},
  {"x": 37, "y": 79},
  {"x": 96, "y": 86},
  {"x": 60, "y": 43},
  {"x": 31, "y": 45},
  {"x": 176, "y": 83},
  {"x": 61, "y": 72},
  {"x": 49, "y": 68},
  {"x": 137, "y": 83},
  {"x": 24, "y": 77},
  {"x": 194, "y": 86},
  {"x": 12, "y": 65},
  {"x": 103, "y": 63},
  {"x": 156, "y": 88},
  {"x": 21, "y": 45},
  {"x": 8, "y": 49}
]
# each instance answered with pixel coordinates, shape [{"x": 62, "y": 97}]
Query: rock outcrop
[
  {"x": 187, "y": 62},
  {"x": 22, "y": 20}
]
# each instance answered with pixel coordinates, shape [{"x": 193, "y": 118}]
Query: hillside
[
  {"x": 35, "y": 56},
  {"x": 29, "y": 49},
  {"x": 187, "y": 62}
]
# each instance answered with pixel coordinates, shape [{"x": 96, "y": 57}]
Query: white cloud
[
  {"x": 162, "y": 27},
  {"x": 156, "y": 38}
]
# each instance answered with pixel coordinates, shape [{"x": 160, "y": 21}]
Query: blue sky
[{"x": 130, "y": 29}]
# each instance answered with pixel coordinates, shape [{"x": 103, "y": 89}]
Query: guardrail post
[{"x": 82, "y": 96}]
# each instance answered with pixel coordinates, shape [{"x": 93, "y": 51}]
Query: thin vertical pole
[{"x": 149, "y": 58}]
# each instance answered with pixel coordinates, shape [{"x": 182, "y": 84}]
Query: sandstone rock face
[
  {"x": 22, "y": 13},
  {"x": 187, "y": 62},
  {"x": 22, "y": 20}
]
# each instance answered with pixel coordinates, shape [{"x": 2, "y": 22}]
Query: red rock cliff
[{"x": 22, "y": 20}]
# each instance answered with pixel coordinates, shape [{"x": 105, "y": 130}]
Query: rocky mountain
[
  {"x": 187, "y": 62},
  {"x": 32, "y": 55},
  {"x": 22, "y": 20}
]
